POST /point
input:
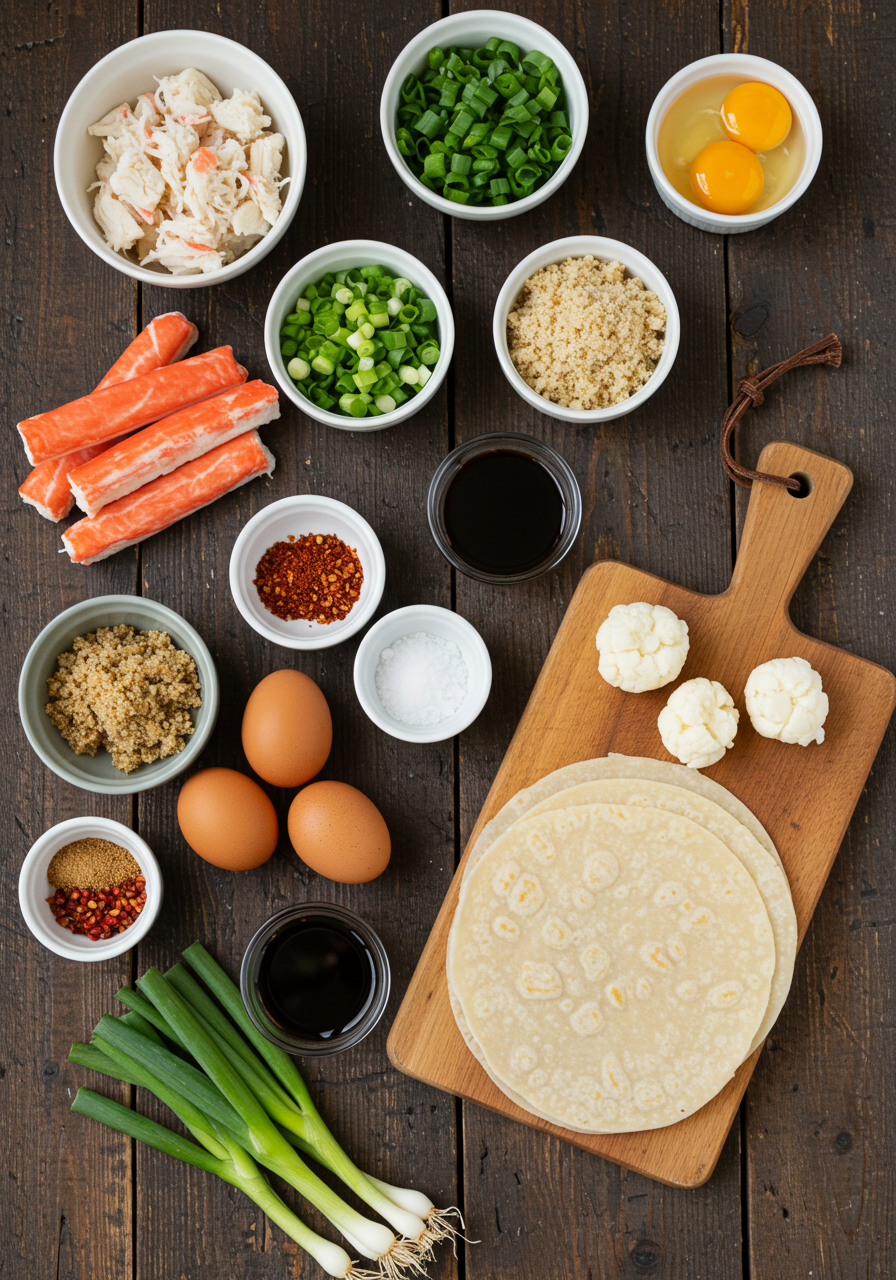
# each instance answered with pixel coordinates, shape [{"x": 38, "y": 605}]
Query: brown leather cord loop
[{"x": 750, "y": 391}]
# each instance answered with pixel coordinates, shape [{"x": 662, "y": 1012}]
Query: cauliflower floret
[
  {"x": 698, "y": 723},
  {"x": 642, "y": 646},
  {"x": 785, "y": 700}
]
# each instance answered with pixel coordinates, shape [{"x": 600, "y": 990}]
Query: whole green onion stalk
[{"x": 244, "y": 1100}]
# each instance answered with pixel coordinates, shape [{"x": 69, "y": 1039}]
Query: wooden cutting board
[{"x": 804, "y": 796}]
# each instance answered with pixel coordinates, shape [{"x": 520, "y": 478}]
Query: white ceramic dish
[
  {"x": 122, "y": 76},
  {"x": 340, "y": 257},
  {"x": 472, "y": 29},
  {"x": 35, "y": 888},
  {"x": 635, "y": 264},
  {"x": 301, "y": 514},
  {"x": 438, "y": 622},
  {"x": 751, "y": 68}
]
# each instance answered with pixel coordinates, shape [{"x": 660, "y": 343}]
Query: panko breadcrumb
[
  {"x": 126, "y": 690},
  {"x": 585, "y": 335}
]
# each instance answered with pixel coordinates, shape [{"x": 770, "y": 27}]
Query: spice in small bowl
[
  {"x": 315, "y": 577},
  {"x": 100, "y": 889},
  {"x": 421, "y": 679}
]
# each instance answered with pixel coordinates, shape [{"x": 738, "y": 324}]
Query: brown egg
[
  {"x": 287, "y": 730},
  {"x": 339, "y": 832},
  {"x": 227, "y": 819}
]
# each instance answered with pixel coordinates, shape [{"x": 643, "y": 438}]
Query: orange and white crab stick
[
  {"x": 167, "y": 444},
  {"x": 116, "y": 411},
  {"x": 170, "y": 498},
  {"x": 164, "y": 341}
]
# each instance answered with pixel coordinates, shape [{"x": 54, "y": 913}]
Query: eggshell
[
  {"x": 339, "y": 833},
  {"x": 287, "y": 730},
  {"x": 227, "y": 819}
]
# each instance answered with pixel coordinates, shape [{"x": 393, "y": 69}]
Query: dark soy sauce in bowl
[
  {"x": 503, "y": 512},
  {"x": 316, "y": 978}
]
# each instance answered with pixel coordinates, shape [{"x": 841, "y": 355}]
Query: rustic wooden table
[{"x": 805, "y": 1186}]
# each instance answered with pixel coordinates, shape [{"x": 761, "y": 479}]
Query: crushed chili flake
[
  {"x": 315, "y": 577},
  {"x": 99, "y": 913}
]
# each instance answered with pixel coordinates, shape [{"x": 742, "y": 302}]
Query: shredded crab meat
[{"x": 188, "y": 179}]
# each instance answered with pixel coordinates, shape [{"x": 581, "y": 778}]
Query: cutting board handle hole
[{"x": 807, "y": 485}]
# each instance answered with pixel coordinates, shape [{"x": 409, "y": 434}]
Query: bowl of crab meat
[{"x": 180, "y": 158}]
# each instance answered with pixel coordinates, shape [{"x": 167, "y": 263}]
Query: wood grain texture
[
  {"x": 818, "y": 1191},
  {"x": 804, "y": 798},
  {"x": 55, "y": 342},
  {"x": 819, "y": 1135}
]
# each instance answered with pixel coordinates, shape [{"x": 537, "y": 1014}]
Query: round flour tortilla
[
  {"x": 616, "y": 766},
  {"x": 612, "y": 965},
  {"x": 768, "y": 874}
]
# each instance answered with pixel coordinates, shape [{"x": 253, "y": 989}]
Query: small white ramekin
[
  {"x": 751, "y": 68},
  {"x": 340, "y": 257},
  {"x": 635, "y": 264},
  {"x": 132, "y": 69},
  {"x": 438, "y": 622},
  {"x": 302, "y": 514},
  {"x": 35, "y": 888},
  {"x": 474, "y": 28}
]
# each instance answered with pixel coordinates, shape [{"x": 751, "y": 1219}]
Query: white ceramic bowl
[
  {"x": 301, "y": 514},
  {"x": 578, "y": 247},
  {"x": 35, "y": 888},
  {"x": 340, "y": 257},
  {"x": 472, "y": 29},
  {"x": 122, "y": 76},
  {"x": 438, "y": 622},
  {"x": 751, "y": 68}
]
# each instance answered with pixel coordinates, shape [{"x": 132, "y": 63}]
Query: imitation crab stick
[
  {"x": 179, "y": 438},
  {"x": 170, "y": 498},
  {"x": 116, "y": 411},
  {"x": 164, "y": 341}
]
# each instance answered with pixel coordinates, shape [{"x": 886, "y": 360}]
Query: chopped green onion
[{"x": 353, "y": 337}]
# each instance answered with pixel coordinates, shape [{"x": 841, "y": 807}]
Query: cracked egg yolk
[
  {"x": 727, "y": 178},
  {"x": 758, "y": 115}
]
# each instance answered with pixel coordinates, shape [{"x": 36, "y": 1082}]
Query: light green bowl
[{"x": 97, "y": 773}]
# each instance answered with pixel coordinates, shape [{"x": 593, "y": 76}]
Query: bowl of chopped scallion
[
  {"x": 484, "y": 115},
  {"x": 359, "y": 335}
]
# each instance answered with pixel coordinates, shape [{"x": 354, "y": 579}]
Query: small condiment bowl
[
  {"x": 35, "y": 888},
  {"x": 341, "y": 256},
  {"x": 554, "y": 463},
  {"x": 438, "y": 622},
  {"x": 636, "y": 264},
  {"x": 472, "y": 29},
  {"x": 132, "y": 69},
  {"x": 298, "y": 515},
  {"x": 751, "y": 68},
  {"x": 97, "y": 773},
  {"x": 370, "y": 1015}
]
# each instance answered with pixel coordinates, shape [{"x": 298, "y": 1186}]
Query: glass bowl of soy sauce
[
  {"x": 315, "y": 979},
  {"x": 504, "y": 508}
]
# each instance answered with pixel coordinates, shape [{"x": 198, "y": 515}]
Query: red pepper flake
[
  {"x": 99, "y": 913},
  {"x": 316, "y": 578}
]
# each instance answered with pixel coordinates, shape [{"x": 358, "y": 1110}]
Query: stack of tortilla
[{"x": 624, "y": 939}]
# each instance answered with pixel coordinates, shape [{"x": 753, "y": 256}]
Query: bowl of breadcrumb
[
  {"x": 586, "y": 329},
  {"x": 118, "y": 694}
]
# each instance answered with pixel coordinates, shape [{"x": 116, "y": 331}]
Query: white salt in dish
[
  {"x": 403, "y": 687},
  {"x": 421, "y": 679}
]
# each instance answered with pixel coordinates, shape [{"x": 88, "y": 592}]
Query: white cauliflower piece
[
  {"x": 785, "y": 700},
  {"x": 698, "y": 723},
  {"x": 642, "y": 646}
]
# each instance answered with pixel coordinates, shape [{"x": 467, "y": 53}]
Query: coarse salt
[{"x": 421, "y": 679}]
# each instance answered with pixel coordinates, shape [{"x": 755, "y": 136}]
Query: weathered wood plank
[
  {"x": 65, "y": 1210},
  {"x": 652, "y": 496},
  {"x": 392, "y": 1126},
  {"x": 819, "y": 1136}
]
